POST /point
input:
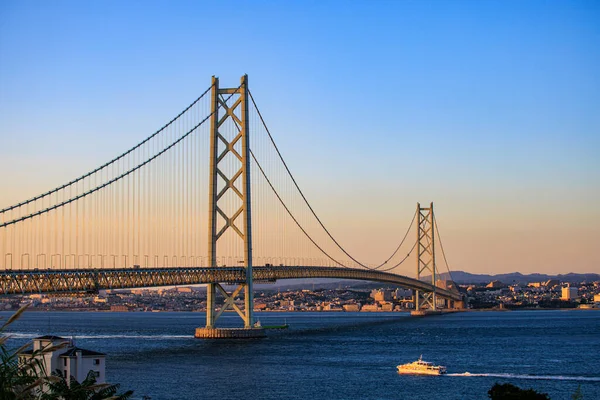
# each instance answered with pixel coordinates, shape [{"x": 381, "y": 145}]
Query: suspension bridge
[{"x": 140, "y": 220}]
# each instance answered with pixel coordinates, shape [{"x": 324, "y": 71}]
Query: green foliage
[
  {"x": 27, "y": 380},
  {"x": 17, "y": 381},
  {"x": 557, "y": 303},
  {"x": 507, "y": 391},
  {"x": 577, "y": 395},
  {"x": 59, "y": 388}
]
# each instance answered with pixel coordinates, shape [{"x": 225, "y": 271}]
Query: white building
[
  {"x": 569, "y": 293},
  {"x": 597, "y": 298},
  {"x": 70, "y": 360},
  {"x": 99, "y": 299}
]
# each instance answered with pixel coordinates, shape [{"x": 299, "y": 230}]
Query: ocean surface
[{"x": 337, "y": 355}]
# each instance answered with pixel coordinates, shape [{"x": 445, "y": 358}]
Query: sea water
[{"x": 336, "y": 355}]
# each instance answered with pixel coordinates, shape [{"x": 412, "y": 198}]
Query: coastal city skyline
[{"x": 498, "y": 133}]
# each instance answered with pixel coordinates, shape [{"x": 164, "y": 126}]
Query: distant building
[
  {"x": 569, "y": 293},
  {"x": 446, "y": 284},
  {"x": 351, "y": 307},
  {"x": 400, "y": 294},
  {"x": 99, "y": 299},
  {"x": 597, "y": 298},
  {"x": 587, "y": 306},
  {"x": 440, "y": 302},
  {"x": 495, "y": 285},
  {"x": 370, "y": 307},
  {"x": 287, "y": 303},
  {"x": 119, "y": 308},
  {"x": 551, "y": 283},
  {"x": 515, "y": 288},
  {"x": 381, "y": 295},
  {"x": 69, "y": 360},
  {"x": 332, "y": 307}
]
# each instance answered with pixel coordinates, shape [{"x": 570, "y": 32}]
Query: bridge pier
[
  {"x": 229, "y": 333},
  {"x": 425, "y": 313},
  {"x": 458, "y": 305}
]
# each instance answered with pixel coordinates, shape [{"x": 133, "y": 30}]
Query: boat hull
[
  {"x": 415, "y": 372},
  {"x": 421, "y": 367}
]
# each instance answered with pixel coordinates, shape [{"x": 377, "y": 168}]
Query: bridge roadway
[{"x": 91, "y": 280}]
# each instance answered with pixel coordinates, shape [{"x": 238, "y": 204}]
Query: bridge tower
[
  {"x": 425, "y": 256},
  {"x": 222, "y": 182}
]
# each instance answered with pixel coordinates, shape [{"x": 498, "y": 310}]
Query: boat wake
[
  {"x": 20, "y": 335},
  {"x": 535, "y": 377}
]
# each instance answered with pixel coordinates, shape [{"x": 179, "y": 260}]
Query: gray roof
[
  {"x": 85, "y": 353},
  {"x": 50, "y": 337}
]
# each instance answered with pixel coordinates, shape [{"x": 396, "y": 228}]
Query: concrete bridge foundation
[{"x": 229, "y": 333}]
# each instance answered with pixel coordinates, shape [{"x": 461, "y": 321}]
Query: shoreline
[{"x": 324, "y": 311}]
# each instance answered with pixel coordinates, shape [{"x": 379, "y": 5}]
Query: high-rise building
[{"x": 569, "y": 293}]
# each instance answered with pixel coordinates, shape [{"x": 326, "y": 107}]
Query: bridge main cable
[
  {"x": 312, "y": 210},
  {"x": 315, "y": 243},
  {"x": 108, "y": 183},
  {"x": 292, "y": 215},
  {"x": 66, "y": 185},
  {"x": 442, "y": 247}
]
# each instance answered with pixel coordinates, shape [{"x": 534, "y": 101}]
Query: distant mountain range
[
  {"x": 459, "y": 277},
  {"x": 462, "y": 277}
]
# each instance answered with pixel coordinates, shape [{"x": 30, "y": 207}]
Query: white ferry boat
[{"x": 421, "y": 367}]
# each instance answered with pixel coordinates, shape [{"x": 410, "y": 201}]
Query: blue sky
[{"x": 491, "y": 109}]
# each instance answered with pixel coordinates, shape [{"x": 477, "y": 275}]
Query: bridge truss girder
[{"x": 74, "y": 281}]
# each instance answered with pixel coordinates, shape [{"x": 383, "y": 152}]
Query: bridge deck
[{"x": 62, "y": 281}]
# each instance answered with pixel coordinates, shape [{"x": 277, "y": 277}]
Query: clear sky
[{"x": 491, "y": 109}]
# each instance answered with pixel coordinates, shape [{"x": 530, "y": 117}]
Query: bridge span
[
  {"x": 150, "y": 203},
  {"x": 82, "y": 280}
]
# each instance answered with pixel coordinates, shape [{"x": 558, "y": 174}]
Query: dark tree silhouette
[
  {"x": 27, "y": 379},
  {"x": 88, "y": 389},
  {"x": 18, "y": 380},
  {"x": 577, "y": 395},
  {"x": 506, "y": 391}
]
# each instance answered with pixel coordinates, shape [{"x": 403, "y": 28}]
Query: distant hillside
[
  {"x": 462, "y": 277},
  {"x": 459, "y": 277},
  {"x": 310, "y": 283}
]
